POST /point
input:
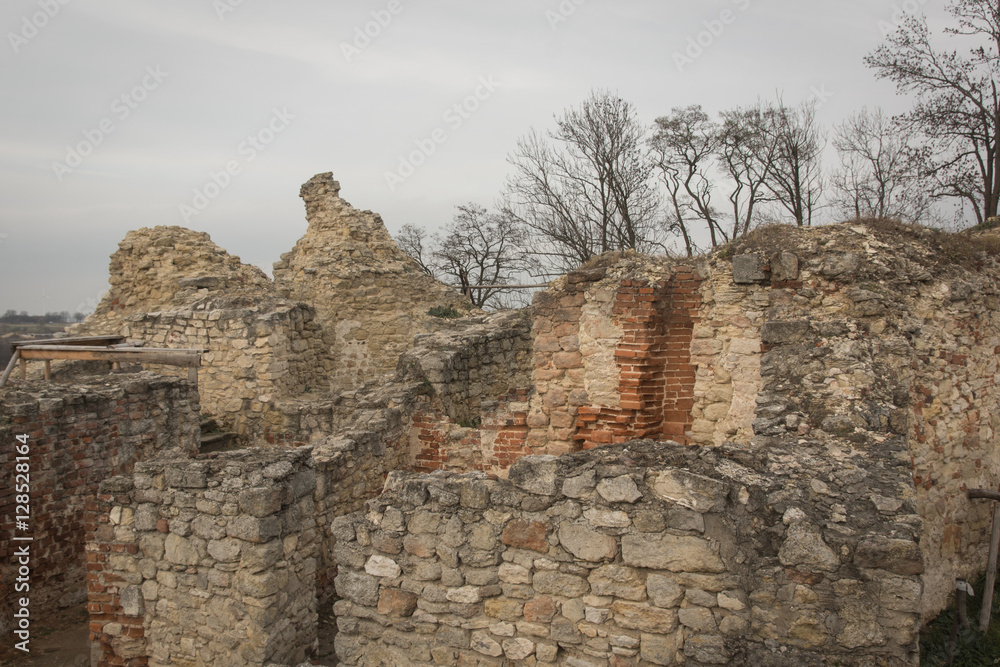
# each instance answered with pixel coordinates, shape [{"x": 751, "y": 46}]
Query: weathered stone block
[
  {"x": 898, "y": 556},
  {"x": 671, "y": 552},
  {"x": 618, "y": 581},
  {"x": 748, "y": 269},
  {"x": 687, "y": 489},
  {"x": 397, "y": 603},
  {"x": 636, "y": 616},
  {"x": 357, "y": 587},
  {"x": 535, "y": 474},
  {"x": 620, "y": 489},
  {"x": 557, "y": 583},
  {"x": 260, "y": 501},
  {"x": 586, "y": 544},
  {"x": 253, "y": 529},
  {"x": 785, "y": 332},
  {"x": 804, "y": 548},
  {"x": 525, "y": 535}
]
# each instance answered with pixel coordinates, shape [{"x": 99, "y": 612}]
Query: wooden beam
[
  {"x": 24, "y": 368},
  {"x": 991, "y": 564},
  {"x": 10, "y": 367},
  {"x": 497, "y": 287},
  {"x": 169, "y": 356},
  {"x": 991, "y": 572},
  {"x": 48, "y": 370},
  {"x": 77, "y": 340}
]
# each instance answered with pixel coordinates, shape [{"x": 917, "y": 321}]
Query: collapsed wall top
[
  {"x": 162, "y": 267},
  {"x": 369, "y": 295}
]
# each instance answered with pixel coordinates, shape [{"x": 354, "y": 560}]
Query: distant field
[
  {"x": 31, "y": 328},
  {"x": 9, "y": 332}
]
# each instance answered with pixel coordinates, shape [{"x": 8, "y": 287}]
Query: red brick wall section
[
  {"x": 656, "y": 375},
  {"x": 79, "y": 436},
  {"x": 118, "y": 638},
  {"x": 493, "y": 444}
]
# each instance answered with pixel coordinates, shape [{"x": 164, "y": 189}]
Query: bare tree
[
  {"x": 684, "y": 146},
  {"x": 411, "y": 240},
  {"x": 957, "y": 111},
  {"x": 795, "y": 178},
  {"x": 476, "y": 249},
  {"x": 585, "y": 188},
  {"x": 746, "y": 153},
  {"x": 480, "y": 248},
  {"x": 878, "y": 175}
]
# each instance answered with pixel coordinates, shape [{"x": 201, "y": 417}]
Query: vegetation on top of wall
[
  {"x": 929, "y": 247},
  {"x": 446, "y": 312}
]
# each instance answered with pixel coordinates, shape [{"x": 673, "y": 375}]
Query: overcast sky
[{"x": 116, "y": 113}]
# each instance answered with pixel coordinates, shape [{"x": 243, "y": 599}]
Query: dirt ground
[{"x": 61, "y": 640}]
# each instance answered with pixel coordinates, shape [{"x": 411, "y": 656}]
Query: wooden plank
[
  {"x": 24, "y": 368},
  {"x": 498, "y": 287},
  {"x": 77, "y": 340},
  {"x": 991, "y": 572},
  {"x": 48, "y": 370},
  {"x": 10, "y": 367},
  {"x": 193, "y": 374},
  {"x": 124, "y": 350},
  {"x": 172, "y": 357}
]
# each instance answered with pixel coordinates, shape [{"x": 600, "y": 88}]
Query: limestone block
[
  {"x": 804, "y": 547},
  {"x": 640, "y": 616},
  {"x": 687, "y": 489},
  {"x": 671, "y": 552},
  {"x": 586, "y": 544},
  {"x": 557, "y": 583},
  {"x": 619, "y": 489},
  {"x": 357, "y": 587},
  {"x": 535, "y": 474},
  {"x": 748, "y": 269},
  {"x": 898, "y": 556},
  {"x": 618, "y": 581}
]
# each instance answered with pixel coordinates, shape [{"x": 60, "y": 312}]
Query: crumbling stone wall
[
  {"x": 475, "y": 385},
  {"x": 646, "y": 550},
  {"x": 79, "y": 435},
  {"x": 882, "y": 336},
  {"x": 206, "y": 562},
  {"x": 172, "y": 287},
  {"x": 159, "y": 267},
  {"x": 256, "y": 354},
  {"x": 370, "y": 297},
  {"x": 633, "y": 346},
  {"x": 274, "y": 363}
]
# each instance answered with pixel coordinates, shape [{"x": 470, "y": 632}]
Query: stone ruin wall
[
  {"x": 642, "y": 553},
  {"x": 207, "y": 562},
  {"x": 162, "y": 267},
  {"x": 78, "y": 436},
  {"x": 855, "y": 371},
  {"x": 371, "y": 299},
  {"x": 345, "y": 303},
  {"x": 475, "y": 384},
  {"x": 254, "y": 358}
]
